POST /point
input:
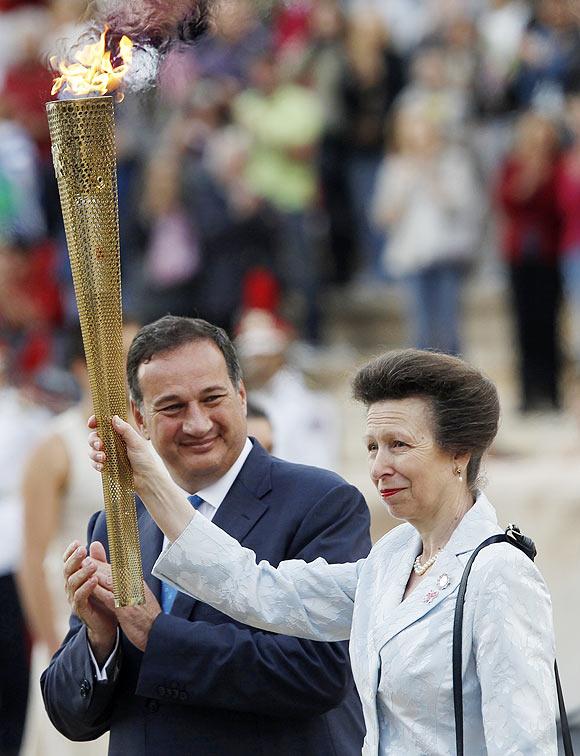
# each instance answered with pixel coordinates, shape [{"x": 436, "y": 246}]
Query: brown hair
[{"x": 464, "y": 403}]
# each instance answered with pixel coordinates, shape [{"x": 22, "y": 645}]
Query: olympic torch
[{"x": 83, "y": 146}]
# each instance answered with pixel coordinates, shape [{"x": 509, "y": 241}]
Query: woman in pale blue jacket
[{"x": 430, "y": 419}]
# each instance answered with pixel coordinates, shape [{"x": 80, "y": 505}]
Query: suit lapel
[
  {"x": 241, "y": 509},
  {"x": 239, "y": 512},
  {"x": 440, "y": 582},
  {"x": 244, "y": 505},
  {"x": 394, "y": 578},
  {"x": 151, "y": 544}
]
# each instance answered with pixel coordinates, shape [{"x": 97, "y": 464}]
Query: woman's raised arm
[{"x": 309, "y": 600}]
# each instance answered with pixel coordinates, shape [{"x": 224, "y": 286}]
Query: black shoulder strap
[
  {"x": 526, "y": 545},
  {"x": 458, "y": 642}
]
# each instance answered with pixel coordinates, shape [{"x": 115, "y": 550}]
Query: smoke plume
[
  {"x": 155, "y": 23},
  {"x": 154, "y": 26}
]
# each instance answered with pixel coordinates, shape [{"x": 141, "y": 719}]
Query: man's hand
[
  {"x": 135, "y": 621},
  {"x": 88, "y": 586}
]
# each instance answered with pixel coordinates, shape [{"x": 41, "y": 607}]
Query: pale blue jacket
[{"x": 401, "y": 650}]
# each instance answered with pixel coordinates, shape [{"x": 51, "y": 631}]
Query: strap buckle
[{"x": 523, "y": 542}]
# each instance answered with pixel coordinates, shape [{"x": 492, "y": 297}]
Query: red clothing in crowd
[
  {"x": 292, "y": 25},
  {"x": 531, "y": 244},
  {"x": 27, "y": 88},
  {"x": 531, "y": 225},
  {"x": 568, "y": 195},
  {"x": 8, "y": 5},
  {"x": 31, "y": 308}
]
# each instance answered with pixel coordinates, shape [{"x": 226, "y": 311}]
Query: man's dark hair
[
  {"x": 172, "y": 332},
  {"x": 464, "y": 403}
]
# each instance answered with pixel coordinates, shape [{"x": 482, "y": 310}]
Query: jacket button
[
  {"x": 85, "y": 688},
  {"x": 152, "y": 705}
]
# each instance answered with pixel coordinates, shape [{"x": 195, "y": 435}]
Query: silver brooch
[{"x": 443, "y": 581}]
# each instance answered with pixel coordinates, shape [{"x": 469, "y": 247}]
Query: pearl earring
[{"x": 458, "y": 473}]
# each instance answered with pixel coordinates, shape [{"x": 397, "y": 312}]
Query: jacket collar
[
  {"x": 477, "y": 524},
  {"x": 244, "y": 505},
  {"x": 441, "y": 580}
]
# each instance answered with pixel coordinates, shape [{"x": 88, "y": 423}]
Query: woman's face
[{"x": 413, "y": 475}]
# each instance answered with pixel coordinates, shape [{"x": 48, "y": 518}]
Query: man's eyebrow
[
  {"x": 166, "y": 398},
  {"x": 219, "y": 388}
]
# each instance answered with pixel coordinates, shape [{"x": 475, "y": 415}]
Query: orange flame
[{"x": 95, "y": 71}]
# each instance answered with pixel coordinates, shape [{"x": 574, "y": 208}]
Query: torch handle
[{"x": 83, "y": 145}]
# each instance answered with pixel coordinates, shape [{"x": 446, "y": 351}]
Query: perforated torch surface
[{"x": 83, "y": 148}]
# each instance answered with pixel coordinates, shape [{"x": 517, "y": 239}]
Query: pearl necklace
[{"x": 421, "y": 569}]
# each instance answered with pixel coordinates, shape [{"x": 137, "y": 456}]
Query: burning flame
[{"x": 96, "y": 70}]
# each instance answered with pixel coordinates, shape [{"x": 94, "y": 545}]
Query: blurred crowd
[
  {"x": 304, "y": 146},
  {"x": 307, "y": 146},
  {"x": 301, "y": 147}
]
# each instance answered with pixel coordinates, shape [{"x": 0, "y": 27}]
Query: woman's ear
[{"x": 460, "y": 462}]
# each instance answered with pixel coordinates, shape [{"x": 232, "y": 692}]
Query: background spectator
[
  {"x": 429, "y": 201},
  {"x": 284, "y": 121},
  {"x": 527, "y": 195},
  {"x": 568, "y": 188},
  {"x": 260, "y": 427},
  {"x": 326, "y": 59},
  {"x": 29, "y": 302},
  {"x": 549, "y": 57},
  {"x": 373, "y": 78},
  {"x": 304, "y": 422},
  {"x": 22, "y": 417}
]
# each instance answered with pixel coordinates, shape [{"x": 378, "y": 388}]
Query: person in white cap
[{"x": 305, "y": 422}]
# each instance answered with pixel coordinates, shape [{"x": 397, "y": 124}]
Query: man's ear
[
  {"x": 139, "y": 420},
  {"x": 243, "y": 396}
]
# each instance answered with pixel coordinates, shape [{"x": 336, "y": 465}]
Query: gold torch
[{"x": 83, "y": 147}]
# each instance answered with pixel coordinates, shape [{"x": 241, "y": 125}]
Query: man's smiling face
[{"x": 192, "y": 412}]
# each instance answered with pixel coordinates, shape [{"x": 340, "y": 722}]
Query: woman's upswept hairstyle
[{"x": 464, "y": 403}]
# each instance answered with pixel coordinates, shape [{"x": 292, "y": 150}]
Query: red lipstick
[{"x": 386, "y": 492}]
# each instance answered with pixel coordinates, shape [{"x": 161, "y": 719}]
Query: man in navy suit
[{"x": 175, "y": 675}]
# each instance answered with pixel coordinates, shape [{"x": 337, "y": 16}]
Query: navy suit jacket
[{"x": 206, "y": 685}]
